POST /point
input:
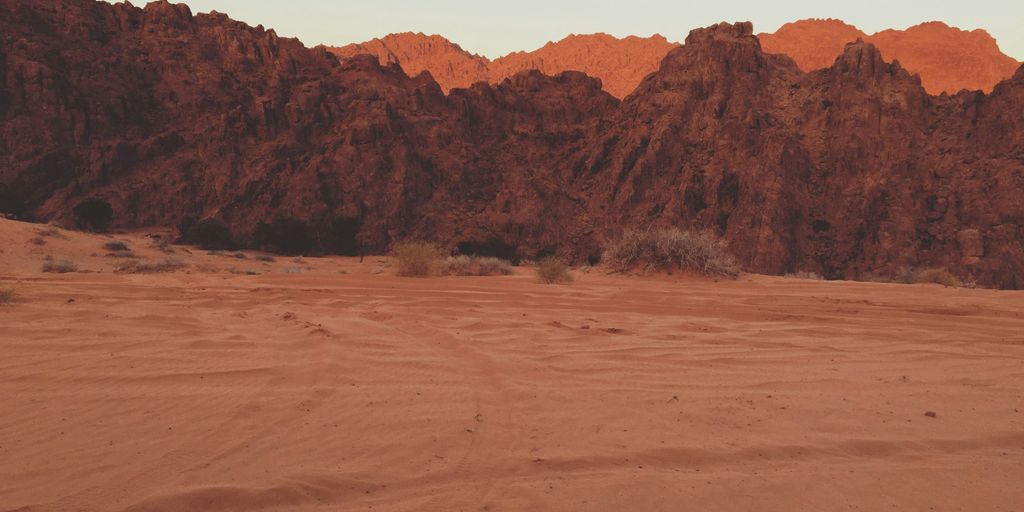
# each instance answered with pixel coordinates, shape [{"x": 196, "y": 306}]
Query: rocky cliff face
[
  {"x": 947, "y": 59},
  {"x": 155, "y": 116}
]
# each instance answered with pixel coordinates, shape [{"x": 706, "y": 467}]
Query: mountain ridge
[{"x": 622, "y": 62}]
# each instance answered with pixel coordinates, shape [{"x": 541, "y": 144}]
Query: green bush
[
  {"x": 669, "y": 250},
  {"x": 416, "y": 259},
  {"x": 552, "y": 270}
]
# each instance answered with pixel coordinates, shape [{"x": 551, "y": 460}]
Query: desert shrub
[
  {"x": 168, "y": 264},
  {"x": 803, "y": 274},
  {"x": 493, "y": 267},
  {"x": 6, "y": 295},
  {"x": 475, "y": 266},
  {"x": 37, "y": 241},
  {"x": 460, "y": 265},
  {"x": 164, "y": 246},
  {"x": 416, "y": 259},
  {"x": 492, "y": 247},
  {"x": 917, "y": 275},
  {"x": 552, "y": 270},
  {"x": 60, "y": 266},
  {"x": 266, "y": 257},
  {"x": 671, "y": 249},
  {"x": 115, "y": 246},
  {"x": 292, "y": 270},
  {"x": 50, "y": 231},
  {"x": 936, "y": 276}
]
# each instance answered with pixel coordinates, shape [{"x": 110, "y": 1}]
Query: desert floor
[{"x": 331, "y": 384}]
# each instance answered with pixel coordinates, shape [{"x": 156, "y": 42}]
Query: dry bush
[
  {"x": 493, "y": 267},
  {"x": 917, "y": 275},
  {"x": 116, "y": 246},
  {"x": 122, "y": 254},
  {"x": 60, "y": 266},
  {"x": 475, "y": 266},
  {"x": 802, "y": 274},
  {"x": 937, "y": 276},
  {"x": 267, "y": 258},
  {"x": 416, "y": 259},
  {"x": 37, "y": 240},
  {"x": 164, "y": 246},
  {"x": 168, "y": 264},
  {"x": 552, "y": 270},
  {"x": 292, "y": 270},
  {"x": 50, "y": 232},
  {"x": 671, "y": 249},
  {"x": 6, "y": 296}
]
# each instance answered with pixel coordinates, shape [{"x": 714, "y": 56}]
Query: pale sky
[{"x": 495, "y": 28}]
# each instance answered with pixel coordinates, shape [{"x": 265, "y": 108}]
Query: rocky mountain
[
  {"x": 619, "y": 63},
  {"x": 449, "y": 64},
  {"x": 121, "y": 116},
  {"x": 947, "y": 59}
]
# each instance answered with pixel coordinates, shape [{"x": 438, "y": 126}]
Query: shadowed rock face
[{"x": 173, "y": 119}]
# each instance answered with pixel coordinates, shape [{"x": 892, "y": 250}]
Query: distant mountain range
[{"x": 947, "y": 59}]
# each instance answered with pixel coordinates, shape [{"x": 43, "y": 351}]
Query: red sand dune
[
  {"x": 307, "y": 389},
  {"x": 947, "y": 58}
]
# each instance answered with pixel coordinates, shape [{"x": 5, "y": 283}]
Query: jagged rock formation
[
  {"x": 947, "y": 59},
  {"x": 448, "y": 63},
  {"x": 156, "y": 116},
  {"x": 619, "y": 63}
]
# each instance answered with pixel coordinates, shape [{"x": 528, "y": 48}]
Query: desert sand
[{"x": 332, "y": 384}]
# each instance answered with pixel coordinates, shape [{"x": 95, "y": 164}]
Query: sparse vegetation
[
  {"x": 37, "y": 241},
  {"x": 116, "y": 246},
  {"x": 416, "y": 259},
  {"x": 551, "y": 270},
  {"x": 266, "y": 258},
  {"x": 122, "y": 254},
  {"x": 168, "y": 264},
  {"x": 916, "y": 275},
  {"x": 50, "y": 231},
  {"x": 60, "y": 266},
  {"x": 292, "y": 270},
  {"x": 669, "y": 250},
  {"x": 937, "y": 276},
  {"x": 802, "y": 274},
  {"x": 475, "y": 266},
  {"x": 6, "y": 296},
  {"x": 240, "y": 256}
]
